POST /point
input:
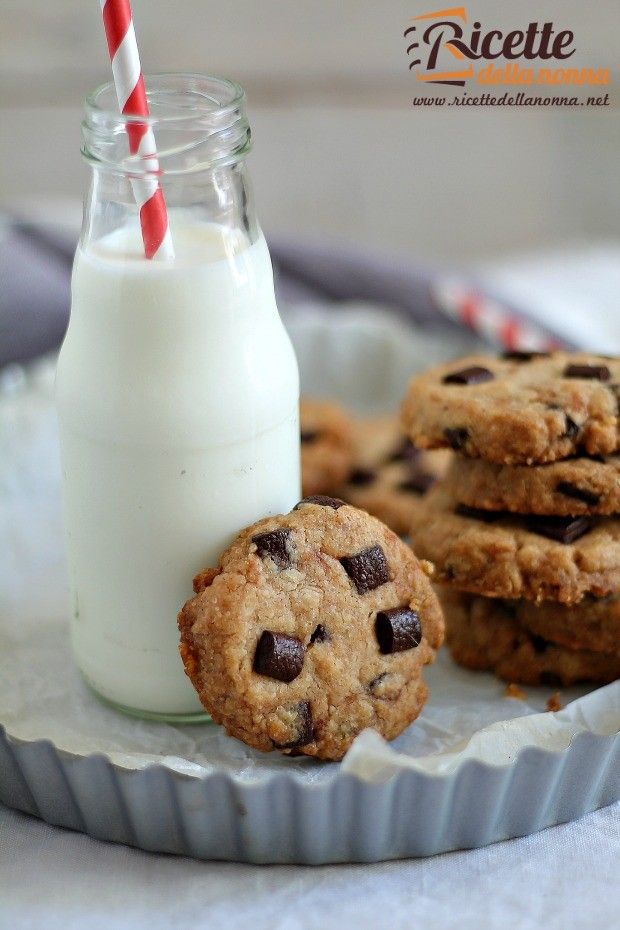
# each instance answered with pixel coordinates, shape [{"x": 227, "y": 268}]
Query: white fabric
[
  {"x": 572, "y": 290},
  {"x": 560, "y": 879}
]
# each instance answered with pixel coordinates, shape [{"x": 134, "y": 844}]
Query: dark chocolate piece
[
  {"x": 474, "y": 375},
  {"x": 515, "y": 356},
  {"x": 367, "y": 569},
  {"x": 563, "y": 529},
  {"x": 372, "y": 685},
  {"x": 476, "y": 513},
  {"x": 322, "y": 500},
  {"x": 405, "y": 452},
  {"x": 539, "y": 644},
  {"x": 579, "y": 494},
  {"x": 398, "y": 629},
  {"x": 360, "y": 477},
  {"x": 419, "y": 482},
  {"x": 309, "y": 435},
  {"x": 320, "y": 635},
  {"x": 274, "y": 545},
  {"x": 457, "y": 437},
  {"x": 509, "y": 608},
  {"x": 304, "y": 728},
  {"x": 278, "y": 656},
  {"x": 591, "y": 372},
  {"x": 572, "y": 428}
]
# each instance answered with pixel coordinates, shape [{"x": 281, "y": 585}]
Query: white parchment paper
[{"x": 43, "y": 697}]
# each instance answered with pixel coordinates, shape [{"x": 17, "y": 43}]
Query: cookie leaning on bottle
[{"x": 315, "y": 625}]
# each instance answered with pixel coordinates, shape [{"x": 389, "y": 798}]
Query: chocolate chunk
[
  {"x": 473, "y": 375},
  {"x": 579, "y": 494},
  {"x": 539, "y": 644},
  {"x": 367, "y": 569},
  {"x": 309, "y": 435},
  {"x": 405, "y": 452},
  {"x": 274, "y": 545},
  {"x": 321, "y": 500},
  {"x": 278, "y": 656},
  {"x": 563, "y": 529},
  {"x": 591, "y": 372},
  {"x": 372, "y": 685},
  {"x": 457, "y": 437},
  {"x": 524, "y": 356},
  {"x": 360, "y": 477},
  {"x": 509, "y": 608},
  {"x": 398, "y": 629},
  {"x": 572, "y": 428},
  {"x": 488, "y": 516},
  {"x": 550, "y": 679},
  {"x": 418, "y": 483},
  {"x": 305, "y": 733},
  {"x": 320, "y": 635}
]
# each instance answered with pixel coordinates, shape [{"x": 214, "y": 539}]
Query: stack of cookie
[
  {"x": 367, "y": 462},
  {"x": 523, "y": 530}
]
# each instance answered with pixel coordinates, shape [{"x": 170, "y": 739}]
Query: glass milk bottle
[{"x": 177, "y": 388}]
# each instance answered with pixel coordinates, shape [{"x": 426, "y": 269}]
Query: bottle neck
[
  {"x": 219, "y": 195},
  {"x": 201, "y": 135}
]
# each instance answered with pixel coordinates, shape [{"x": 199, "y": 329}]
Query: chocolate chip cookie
[
  {"x": 483, "y": 634},
  {"x": 524, "y": 408},
  {"x": 525, "y": 556},
  {"x": 326, "y": 446},
  {"x": 314, "y": 626},
  {"x": 567, "y": 488},
  {"x": 389, "y": 475},
  {"x": 593, "y": 624}
]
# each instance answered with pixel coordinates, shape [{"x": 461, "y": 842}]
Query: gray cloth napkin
[{"x": 34, "y": 292}]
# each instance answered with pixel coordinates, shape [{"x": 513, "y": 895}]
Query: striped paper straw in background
[
  {"x": 490, "y": 318},
  {"x": 129, "y": 84}
]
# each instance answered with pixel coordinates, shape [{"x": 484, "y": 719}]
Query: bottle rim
[{"x": 199, "y": 122}]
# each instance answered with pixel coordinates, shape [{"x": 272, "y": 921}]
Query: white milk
[{"x": 177, "y": 393}]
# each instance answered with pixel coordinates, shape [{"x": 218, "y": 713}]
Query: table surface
[{"x": 563, "y": 878}]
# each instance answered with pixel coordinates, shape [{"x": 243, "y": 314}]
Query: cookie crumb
[
  {"x": 554, "y": 703},
  {"x": 514, "y": 691}
]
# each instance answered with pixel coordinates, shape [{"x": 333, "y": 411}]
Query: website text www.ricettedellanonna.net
[{"x": 521, "y": 99}]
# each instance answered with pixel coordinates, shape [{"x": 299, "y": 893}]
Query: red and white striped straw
[
  {"x": 129, "y": 84},
  {"x": 490, "y": 318}
]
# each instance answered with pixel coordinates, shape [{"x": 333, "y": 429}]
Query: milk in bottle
[{"x": 177, "y": 392}]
